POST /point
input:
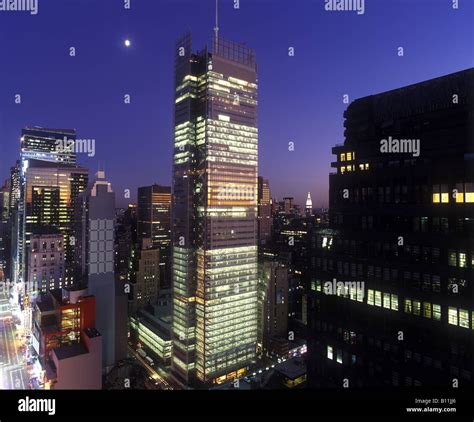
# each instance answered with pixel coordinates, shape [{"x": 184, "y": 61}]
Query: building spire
[{"x": 216, "y": 28}]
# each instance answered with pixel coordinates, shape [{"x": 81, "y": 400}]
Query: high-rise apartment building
[
  {"x": 214, "y": 218},
  {"x": 391, "y": 278}
]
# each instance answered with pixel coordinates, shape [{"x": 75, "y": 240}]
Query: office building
[
  {"x": 274, "y": 317},
  {"x": 390, "y": 280},
  {"x": 125, "y": 241},
  {"x": 97, "y": 262},
  {"x": 154, "y": 222},
  {"x": 46, "y": 260},
  {"x": 52, "y": 145},
  {"x": 265, "y": 220},
  {"x": 150, "y": 329},
  {"x": 5, "y": 231},
  {"x": 49, "y": 194},
  {"x": 214, "y": 221},
  {"x": 146, "y": 284},
  {"x": 309, "y": 205}
]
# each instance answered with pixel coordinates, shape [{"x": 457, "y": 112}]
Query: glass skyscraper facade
[
  {"x": 48, "y": 184},
  {"x": 214, "y": 217}
]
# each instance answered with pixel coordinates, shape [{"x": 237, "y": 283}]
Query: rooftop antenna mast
[{"x": 216, "y": 28}]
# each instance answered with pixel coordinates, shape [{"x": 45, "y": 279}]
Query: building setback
[
  {"x": 214, "y": 213},
  {"x": 401, "y": 236}
]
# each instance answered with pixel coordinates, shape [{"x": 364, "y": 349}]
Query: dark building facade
[
  {"x": 265, "y": 220},
  {"x": 154, "y": 222},
  {"x": 389, "y": 288}
]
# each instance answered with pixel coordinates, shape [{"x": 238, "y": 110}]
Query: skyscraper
[
  {"x": 54, "y": 145},
  {"x": 48, "y": 198},
  {"x": 146, "y": 279},
  {"x": 275, "y": 308},
  {"x": 97, "y": 257},
  {"x": 154, "y": 222},
  {"x": 309, "y": 205},
  {"x": 5, "y": 241},
  {"x": 214, "y": 231},
  {"x": 45, "y": 185},
  {"x": 390, "y": 287},
  {"x": 264, "y": 212}
]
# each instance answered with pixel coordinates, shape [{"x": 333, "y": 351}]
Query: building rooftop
[
  {"x": 70, "y": 351},
  {"x": 92, "y": 332},
  {"x": 292, "y": 368}
]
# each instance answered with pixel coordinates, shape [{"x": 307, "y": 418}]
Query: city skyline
[
  {"x": 226, "y": 195},
  {"x": 366, "y": 65}
]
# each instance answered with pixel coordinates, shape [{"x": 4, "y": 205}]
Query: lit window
[
  {"x": 330, "y": 353},
  {"x": 440, "y": 194},
  {"x": 408, "y": 306},
  {"x": 427, "y": 310},
  {"x": 378, "y": 298},
  {"x": 339, "y": 356},
  {"x": 394, "y": 303},
  {"x": 452, "y": 316},
  {"x": 463, "y": 318},
  {"x": 370, "y": 297},
  {"x": 343, "y": 157},
  {"x": 444, "y": 194},
  {"x": 352, "y": 293},
  {"x": 360, "y": 295},
  {"x": 436, "y": 312},
  {"x": 349, "y": 156},
  {"x": 386, "y": 300},
  {"x": 459, "y": 193},
  {"x": 452, "y": 261},
  {"x": 462, "y": 260}
]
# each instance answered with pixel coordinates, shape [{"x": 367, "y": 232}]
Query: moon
[{"x": 127, "y": 43}]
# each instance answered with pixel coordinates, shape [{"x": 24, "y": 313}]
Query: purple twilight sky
[{"x": 300, "y": 97}]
